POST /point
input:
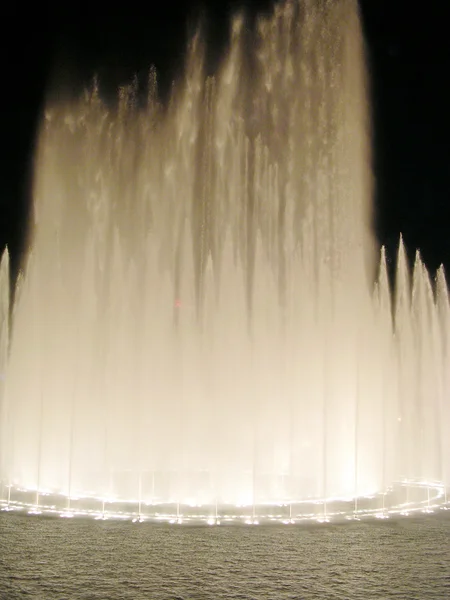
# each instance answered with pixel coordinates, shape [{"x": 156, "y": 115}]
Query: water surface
[{"x": 60, "y": 559}]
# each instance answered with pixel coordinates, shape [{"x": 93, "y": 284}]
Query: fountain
[{"x": 196, "y": 334}]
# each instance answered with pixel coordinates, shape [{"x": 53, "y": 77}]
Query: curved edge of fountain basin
[{"x": 404, "y": 498}]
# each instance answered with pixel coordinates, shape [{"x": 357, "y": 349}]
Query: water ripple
[{"x": 55, "y": 560}]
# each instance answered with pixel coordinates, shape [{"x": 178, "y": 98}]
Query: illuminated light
[
  {"x": 211, "y": 521},
  {"x": 433, "y": 503},
  {"x": 67, "y": 515}
]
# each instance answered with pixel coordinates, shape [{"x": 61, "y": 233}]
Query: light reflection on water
[{"x": 77, "y": 559}]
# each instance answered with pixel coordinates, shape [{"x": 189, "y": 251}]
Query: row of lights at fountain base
[
  {"x": 226, "y": 519},
  {"x": 436, "y": 499}
]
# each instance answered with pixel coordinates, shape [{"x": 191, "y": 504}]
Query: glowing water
[{"x": 197, "y": 323}]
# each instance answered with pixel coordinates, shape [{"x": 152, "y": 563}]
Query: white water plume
[{"x": 196, "y": 322}]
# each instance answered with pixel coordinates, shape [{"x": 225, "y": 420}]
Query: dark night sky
[{"x": 409, "y": 62}]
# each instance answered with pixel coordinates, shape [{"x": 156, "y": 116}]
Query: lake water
[{"x": 76, "y": 559}]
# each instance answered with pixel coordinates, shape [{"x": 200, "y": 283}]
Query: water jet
[{"x": 196, "y": 330}]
